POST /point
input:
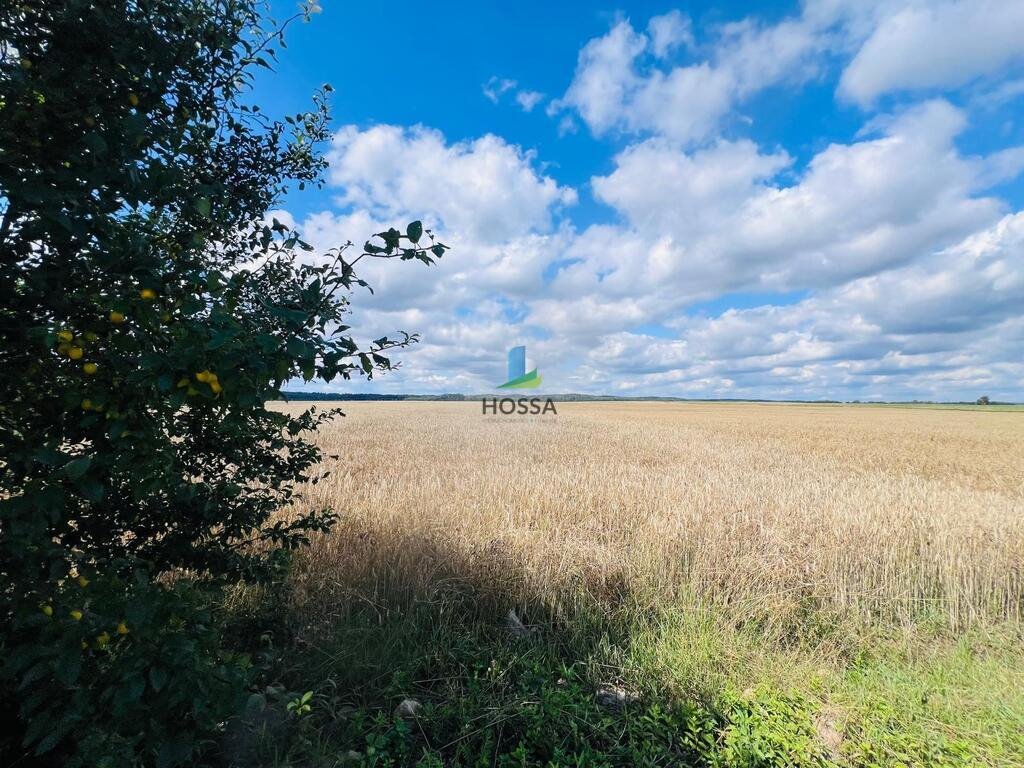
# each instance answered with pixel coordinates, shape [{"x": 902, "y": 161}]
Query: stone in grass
[
  {"x": 515, "y": 627},
  {"x": 408, "y": 709},
  {"x": 614, "y": 697},
  {"x": 345, "y": 712},
  {"x": 260, "y": 724},
  {"x": 826, "y": 724}
]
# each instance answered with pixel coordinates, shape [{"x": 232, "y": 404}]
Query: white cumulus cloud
[
  {"x": 486, "y": 188},
  {"x": 616, "y": 86},
  {"x": 718, "y": 219},
  {"x": 925, "y": 45}
]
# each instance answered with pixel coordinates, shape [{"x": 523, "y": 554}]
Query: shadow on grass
[{"x": 371, "y": 621}]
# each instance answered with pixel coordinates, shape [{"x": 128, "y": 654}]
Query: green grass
[
  {"x": 703, "y": 692},
  {"x": 963, "y": 701}
]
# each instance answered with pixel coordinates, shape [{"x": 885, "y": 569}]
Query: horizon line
[{"x": 320, "y": 395}]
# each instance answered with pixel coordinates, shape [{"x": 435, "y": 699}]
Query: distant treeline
[
  {"x": 576, "y": 397},
  {"x": 361, "y": 396},
  {"x": 564, "y": 398}
]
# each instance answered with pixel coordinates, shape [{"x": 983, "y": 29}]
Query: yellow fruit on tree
[
  {"x": 48, "y": 610},
  {"x": 116, "y": 318},
  {"x": 90, "y": 336},
  {"x": 90, "y": 369},
  {"x": 75, "y": 353},
  {"x": 103, "y": 639},
  {"x": 76, "y": 615},
  {"x": 87, "y": 404},
  {"x": 192, "y": 391},
  {"x": 122, "y": 628},
  {"x": 133, "y": 99},
  {"x": 216, "y": 387},
  {"x": 203, "y": 376},
  {"x": 147, "y": 293},
  {"x": 83, "y": 582},
  {"x": 63, "y": 347},
  {"x": 65, "y": 335}
]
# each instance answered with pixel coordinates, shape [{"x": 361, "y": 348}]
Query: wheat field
[{"x": 765, "y": 509}]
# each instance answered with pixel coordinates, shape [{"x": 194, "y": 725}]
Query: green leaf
[
  {"x": 44, "y": 454},
  {"x": 174, "y": 753},
  {"x": 95, "y": 142},
  {"x": 37, "y": 726},
  {"x": 69, "y": 665},
  {"x": 20, "y": 658},
  {"x": 137, "y": 612},
  {"x": 133, "y": 688},
  {"x": 77, "y": 467},
  {"x": 220, "y": 338},
  {"x": 414, "y": 231},
  {"x": 92, "y": 489},
  {"x": 49, "y": 742},
  {"x": 157, "y": 677},
  {"x": 203, "y": 207},
  {"x": 391, "y": 239}
]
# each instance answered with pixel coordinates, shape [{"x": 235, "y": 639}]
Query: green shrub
[
  {"x": 148, "y": 311},
  {"x": 125, "y": 670}
]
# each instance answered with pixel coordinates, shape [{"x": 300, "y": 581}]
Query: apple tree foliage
[{"x": 149, "y": 309}]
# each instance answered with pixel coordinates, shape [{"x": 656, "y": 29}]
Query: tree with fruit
[{"x": 150, "y": 308}]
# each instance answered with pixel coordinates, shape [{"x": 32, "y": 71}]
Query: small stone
[
  {"x": 826, "y": 724},
  {"x": 613, "y": 697},
  {"x": 515, "y": 627},
  {"x": 408, "y": 709},
  {"x": 261, "y": 722}
]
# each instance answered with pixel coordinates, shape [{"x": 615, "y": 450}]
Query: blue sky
[{"x": 821, "y": 200}]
